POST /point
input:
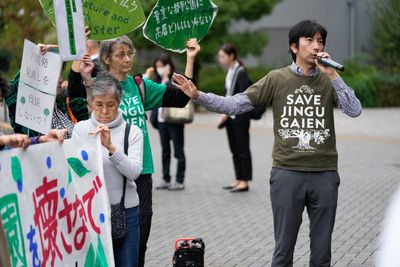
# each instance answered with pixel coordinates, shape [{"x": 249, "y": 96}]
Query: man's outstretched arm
[{"x": 232, "y": 105}]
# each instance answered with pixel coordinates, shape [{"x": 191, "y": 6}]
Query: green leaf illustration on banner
[
  {"x": 16, "y": 169},
  {"x": 69, "y": 176},
  {"x": 172, "y": 23},
  {"x": 96, "y": 259},
  {"x": 77, "y": 167},
  {"x": 106, "y": 19},
  {"x": 101, "y": 260},
  {"x": 90, "y": 257}
]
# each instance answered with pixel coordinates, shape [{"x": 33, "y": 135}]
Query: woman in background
[
  {"x": 237, "y": 127},
  {"x": 162, "y": 70}
]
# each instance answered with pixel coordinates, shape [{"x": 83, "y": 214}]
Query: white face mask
[{"x": 160, "y": 71}]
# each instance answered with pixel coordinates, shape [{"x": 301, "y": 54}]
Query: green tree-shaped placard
[
  {"x": 106, "y": 19},
  {"x": 172, "y": 23}
]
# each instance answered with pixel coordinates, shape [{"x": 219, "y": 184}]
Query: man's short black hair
[{"x": 305, "y": 28}]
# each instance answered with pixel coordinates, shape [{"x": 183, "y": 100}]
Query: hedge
[
  {"x": 212, "y": 79},
  {"x": 373, "y": 87}
]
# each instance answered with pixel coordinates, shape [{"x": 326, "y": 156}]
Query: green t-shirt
[
  {"x": 133, "y": 111},
  {"x": 303, "y": 119}
]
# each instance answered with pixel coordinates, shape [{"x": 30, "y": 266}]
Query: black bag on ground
[
  {"x": 119, "y": 227},
  {"x": 189, "y": 252}
]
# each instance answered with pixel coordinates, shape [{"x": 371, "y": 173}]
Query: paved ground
[{"x": 237, "y": 228}]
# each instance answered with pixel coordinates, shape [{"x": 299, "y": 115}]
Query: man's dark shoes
[{"x": 239, "y": 190}]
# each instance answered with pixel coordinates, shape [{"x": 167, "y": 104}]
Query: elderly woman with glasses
[
  {"x": 105, "y": 97},
  {"x": 116, "y": 56}
]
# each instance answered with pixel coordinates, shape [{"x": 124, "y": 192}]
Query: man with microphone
[{"x": 304, "y": 173}]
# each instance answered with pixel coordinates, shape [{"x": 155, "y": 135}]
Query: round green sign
[
  {"x": 172, "y": 23},
  {"x": 106, "y": 19},
  {"x": 23, "y": 100}
]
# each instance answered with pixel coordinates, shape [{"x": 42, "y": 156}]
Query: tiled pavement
[{"x": 237, "y": 228}]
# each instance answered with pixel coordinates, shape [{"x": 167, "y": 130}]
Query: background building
[{"x": 349, "y": 24}]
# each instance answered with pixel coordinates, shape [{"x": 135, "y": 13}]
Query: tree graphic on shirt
[
  {"x": 304, "y": 89},
  {"x": 305, "y": 136}
]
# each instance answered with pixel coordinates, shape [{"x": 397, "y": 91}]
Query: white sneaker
[{"x": 176, "y": 186}]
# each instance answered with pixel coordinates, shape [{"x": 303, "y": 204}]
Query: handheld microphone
[{"x": 330, "y": 63}]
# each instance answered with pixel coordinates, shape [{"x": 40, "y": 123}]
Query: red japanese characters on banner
[{"x": 54, "y": 205}]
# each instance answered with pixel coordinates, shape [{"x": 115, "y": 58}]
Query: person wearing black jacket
[{"x": 237, "y": 127}]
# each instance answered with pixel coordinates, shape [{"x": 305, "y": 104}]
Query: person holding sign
[
  {"x": 75, "y": 85},
  {"x": 23, "y": 140},
  {"x": 237, "y": 127},
  {"x": 105, "y": 96},
  {"x": 116, "y": 56},
  {"x": 67, "y": 111},
  {"x": 304, "y": 173}
]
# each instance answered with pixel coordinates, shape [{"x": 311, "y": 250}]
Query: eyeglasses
[
  {"x": 121, "y": 54},
  {"x": 107, "y": 106}
]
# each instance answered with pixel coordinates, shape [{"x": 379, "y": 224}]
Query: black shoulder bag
[{"x": 119, "y": 227}]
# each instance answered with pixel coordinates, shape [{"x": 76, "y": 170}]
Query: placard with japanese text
[
  {"x": 172, "y": 23},
  {"x": 54, "y": 204},
  {"x": 37, "y": 88}
]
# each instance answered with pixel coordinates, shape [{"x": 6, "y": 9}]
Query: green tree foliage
[
  {"x": 246, "y": 42},
  {"x": 20, "y": 19},
  {"x": 386, "y": 37}
]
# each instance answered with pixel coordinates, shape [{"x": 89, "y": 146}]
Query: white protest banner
[
  {"x": 37, "y": 88},
  {"x": 70, "y": 29},
  {"x": 54, "y": 204}
]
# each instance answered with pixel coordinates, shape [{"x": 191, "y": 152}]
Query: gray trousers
[{"x": 290, "y": 192}]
